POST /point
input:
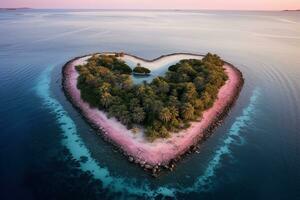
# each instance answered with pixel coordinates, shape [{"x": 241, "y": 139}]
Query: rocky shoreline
[{"x": 194, "y": 147}]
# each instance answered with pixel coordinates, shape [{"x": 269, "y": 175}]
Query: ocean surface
[{"x": 47, "y": 151}]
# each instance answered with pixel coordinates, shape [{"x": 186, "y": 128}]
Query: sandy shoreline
[{"x": 161, "y": 152}]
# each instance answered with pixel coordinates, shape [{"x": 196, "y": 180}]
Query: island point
[{"x": 154, "y": 111}]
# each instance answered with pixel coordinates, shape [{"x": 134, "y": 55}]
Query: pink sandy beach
[{"x": 161, "y": 151}]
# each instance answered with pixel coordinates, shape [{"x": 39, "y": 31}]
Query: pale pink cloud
[{"x": 157, "y": 4}]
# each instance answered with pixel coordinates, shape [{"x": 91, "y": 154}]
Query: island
[
  {"x": 158, "y": 121},
  {"x": 141, "y": 71},
  {"x": 13, "y": 9},
  {"x": 296, "y": 10}
]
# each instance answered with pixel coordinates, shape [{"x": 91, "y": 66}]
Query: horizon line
[{"x": 151, "y": 9}]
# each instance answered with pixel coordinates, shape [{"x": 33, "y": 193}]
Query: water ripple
[
  {"x": 125, "y": 186},
  {"x": 233, "y": 137}
]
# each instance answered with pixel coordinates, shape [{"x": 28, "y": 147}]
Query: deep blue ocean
[{"x": 47, "y": 151}]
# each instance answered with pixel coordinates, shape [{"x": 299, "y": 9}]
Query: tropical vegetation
[
  {"x": 167, "y": 104},
  {"x": 141, "y": 70}
]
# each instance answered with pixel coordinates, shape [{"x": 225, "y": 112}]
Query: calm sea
[{"x": 47, "y": 151}]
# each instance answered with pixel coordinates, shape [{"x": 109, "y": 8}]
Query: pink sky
[{"x": 157, "y": 4}]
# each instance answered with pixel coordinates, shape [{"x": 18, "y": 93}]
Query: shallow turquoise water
[{"x": 49, "y": 152}]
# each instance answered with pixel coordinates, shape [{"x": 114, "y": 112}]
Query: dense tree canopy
[
  {"x": 165, "y": 105},
  {"x": 141, "y": 70}
]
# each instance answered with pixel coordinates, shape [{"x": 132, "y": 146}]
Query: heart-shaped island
[{"x": 154, "y": 111}]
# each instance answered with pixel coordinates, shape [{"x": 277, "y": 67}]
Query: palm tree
[
  {"x": 124, "y": 115},
  {"x": 138, "y": 115},
  {"x": 187, "y": 111},
  {"x": 126, "y": 81},
  {"x": 174, "y": 112},
  {"x": 106, "y": 99},
  {"x": 105, "y": 87},
  {"x": 190, "y": 92},
  {"x": 165, "y": 115}
]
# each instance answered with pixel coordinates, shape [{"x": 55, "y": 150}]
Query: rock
[
  {"x": 147, "y": 166},
  {"x": 142, "y": 163},
  {"x": 130, "y": 159},
  {"x": 137, "y": 161},
  {"x": 154, "y": 171}
]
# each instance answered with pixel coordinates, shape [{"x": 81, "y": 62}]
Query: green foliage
[
  {"x": 165, "y": 105},
  {"x": 141, "y": 70},
  {"x": 111, "y": 62}
]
